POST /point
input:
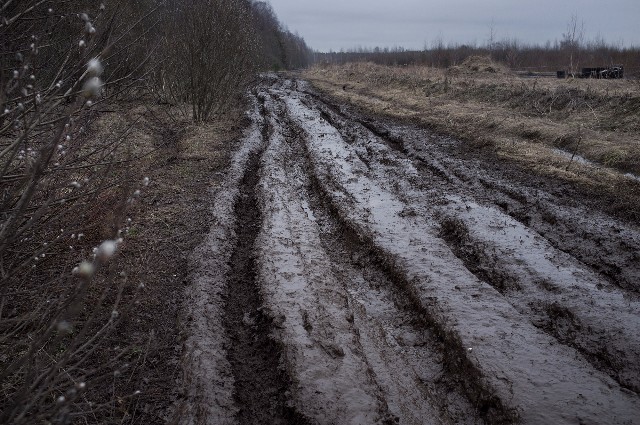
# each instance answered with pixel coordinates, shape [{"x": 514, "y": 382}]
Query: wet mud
[
  {"x": 261, "y": 384},
  {"x": 374, "y": 272}
]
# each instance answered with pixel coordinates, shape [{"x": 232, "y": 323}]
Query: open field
[
  {"x": 584, "y": 132},
  {"x": 362, "y": 270}
]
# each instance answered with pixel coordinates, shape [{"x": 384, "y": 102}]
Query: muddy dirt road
[{"x": 362, "y": 272}]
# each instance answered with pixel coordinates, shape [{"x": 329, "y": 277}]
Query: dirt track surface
[{"x": 360, "y": 272}]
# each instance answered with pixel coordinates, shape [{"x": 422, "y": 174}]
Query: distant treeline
[
  {"x": 280, "y": 48},
  {"x": 512, "y": 53}
]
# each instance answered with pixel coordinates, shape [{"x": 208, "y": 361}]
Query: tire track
[
  {"x": 559, "y": 295},
  {"x": 332, "y": 381},
  {"x": 261, "y": 385},
  {"x": 208, "y": 374},
  {"x": 372, "y": 210},
  {"x": 234, "y": 366}
]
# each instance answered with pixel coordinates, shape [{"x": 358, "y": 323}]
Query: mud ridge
[
  {"x": 261, "y": 384},
  {"x": 331, "y": 379},
  {"x": 549, "y": 316},
  {"x": 446, "y": 385},
  {"x": 464, "y": 374},
  {"x": 608, "y": 253},
  {"x": 566, "y": 327},
  {"x": 328, "y": 110},
  {"x": 562, "y": 233}
]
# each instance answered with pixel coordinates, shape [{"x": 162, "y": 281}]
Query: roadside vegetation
[
  {"x": 581, "y": 131},
  {"x": 112, "y": 133}
]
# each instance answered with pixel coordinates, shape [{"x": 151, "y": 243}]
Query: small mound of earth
[{"x": 478, "y": 64}]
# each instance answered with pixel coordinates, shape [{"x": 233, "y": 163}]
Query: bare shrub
[
  {"x": 63, "y": 202},
  {"x": 210, "y": 48}
]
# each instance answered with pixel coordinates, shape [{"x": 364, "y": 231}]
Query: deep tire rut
[
  {"x": 550, "y": 316},
  {"x": 261, "y": 384},
  {"x": 460, "y": 385}
]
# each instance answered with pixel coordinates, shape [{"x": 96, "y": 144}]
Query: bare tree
[
  {"x": 492, "y": 37},
  {"x": 572, "y": 40}
]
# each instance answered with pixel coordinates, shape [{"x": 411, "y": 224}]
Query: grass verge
[
  {"x": 102, "y": 344},
  {"x": 582, "y": 132}
]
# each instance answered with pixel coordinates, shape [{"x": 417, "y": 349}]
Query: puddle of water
[
  {"x": 632, "y": 177},
  {"x": 577, "y": 158}
]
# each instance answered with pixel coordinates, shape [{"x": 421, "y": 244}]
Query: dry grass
[
  {"x": 130, "y": 373},
  {"x": 168, "y": 222},
  {"x": 538, "y": 123}
]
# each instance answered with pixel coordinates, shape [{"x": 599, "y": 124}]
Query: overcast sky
[{"x": 344, "y": 24}]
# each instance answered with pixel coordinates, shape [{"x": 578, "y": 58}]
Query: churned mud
[
  {"x": 520, "y": 263},
  {"x": 362, "y": 271},
  {"x": 260, "y": 383}
]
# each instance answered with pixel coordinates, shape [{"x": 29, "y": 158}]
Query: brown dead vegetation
[
  {"x": 581, "y": 131},
  {"x": 167, "y": 223}
]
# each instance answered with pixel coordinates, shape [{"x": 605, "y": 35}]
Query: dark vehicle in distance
[{"x": 615, "y": 71}]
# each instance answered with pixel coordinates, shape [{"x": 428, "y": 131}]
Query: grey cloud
[{"x": 336, "y": 24}]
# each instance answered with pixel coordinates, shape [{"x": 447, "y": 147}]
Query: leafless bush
[
  {"x": 210, "y": 48},
  {"x": 63, "y": 202}
]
